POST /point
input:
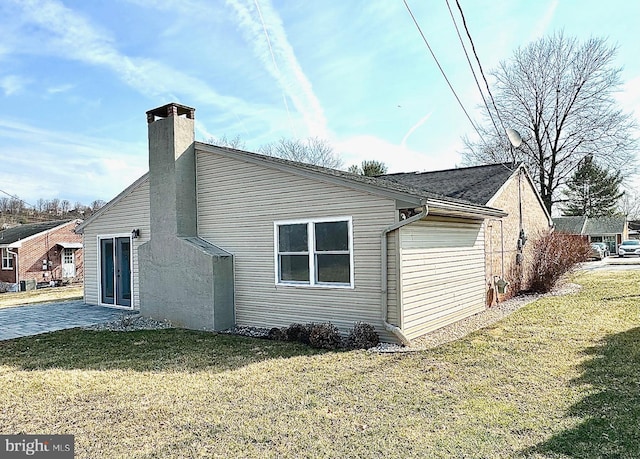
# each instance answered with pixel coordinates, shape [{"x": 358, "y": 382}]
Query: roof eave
[
  {"x": 437, "y": 206},
  {"x": 402, "y": 196}
]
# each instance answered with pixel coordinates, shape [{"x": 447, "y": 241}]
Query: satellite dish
[{"x": 514, "y": 137}]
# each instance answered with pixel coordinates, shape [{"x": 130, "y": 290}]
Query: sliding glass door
[{"x": 115, "y": 271}]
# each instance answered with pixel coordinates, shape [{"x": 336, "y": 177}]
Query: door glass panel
[
  {"x": 107, "y": 271},
  {"x": 123, "y": 277}
]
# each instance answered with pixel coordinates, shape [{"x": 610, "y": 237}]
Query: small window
[
  {"x": 7, "y": 259},
  {"x": 67, "y": 256},
  {"x": 314, "y": 252}
]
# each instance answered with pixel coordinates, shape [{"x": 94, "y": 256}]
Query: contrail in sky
[
  {"x": 413, "y": 128},
  {"x": 260, "y": 22}
]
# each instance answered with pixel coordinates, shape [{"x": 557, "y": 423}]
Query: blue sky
[{"x": 76, "y": 78}]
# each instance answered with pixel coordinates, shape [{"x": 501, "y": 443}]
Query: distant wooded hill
[{"x": 14, "y": 211}]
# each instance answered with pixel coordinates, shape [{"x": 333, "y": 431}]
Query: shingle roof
[
  {"x": 17, "y": 233},
  {"x": 380, "y": 183},
  {"x": 477, "y": 184},
  {"x": 605, "y": 225},
  {"x": 590, "y": 225},
  {"x": 571, "y": 225}
]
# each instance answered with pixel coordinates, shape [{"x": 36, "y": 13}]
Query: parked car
[
  {"x": 630, "y": 247},
  {"x": 605, "y": 248},
  {"x": 596, "y": 252}
]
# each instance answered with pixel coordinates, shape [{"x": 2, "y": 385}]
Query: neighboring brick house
[
  {"x": 610, "y": 230},
  {"x": 508, "y": 240},
  {"x": 41, "y": 252}
]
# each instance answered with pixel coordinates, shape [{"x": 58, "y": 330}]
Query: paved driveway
[
  {"x": 612, "y": 263},
  {"x": 34, "y": 319}
]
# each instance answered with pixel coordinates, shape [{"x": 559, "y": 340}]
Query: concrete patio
[{"x": 34, "y": 319}]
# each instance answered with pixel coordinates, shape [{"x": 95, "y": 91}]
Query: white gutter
[{"x": 384, "y": 281}]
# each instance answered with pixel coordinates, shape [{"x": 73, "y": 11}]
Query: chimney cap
[{"x": 172, "y": 109}]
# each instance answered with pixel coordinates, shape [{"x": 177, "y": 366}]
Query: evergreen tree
[
  {"x": 592, "y": 191},
  {"x": 370, "y": 168}
]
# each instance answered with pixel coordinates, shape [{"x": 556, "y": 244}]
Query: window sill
[{"x": 318, "y": 286}]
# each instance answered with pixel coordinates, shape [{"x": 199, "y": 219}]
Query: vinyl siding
[
  {"x": 393, "y": 270},
  {"x": 238, "y": 203},
  {"x": 132, "y": 211},
  {"x": 442, "y": 273}
]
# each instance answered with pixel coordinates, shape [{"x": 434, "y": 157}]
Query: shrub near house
[{"x": 555, "y": 255}]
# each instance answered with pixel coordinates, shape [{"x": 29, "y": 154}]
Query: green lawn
[{"x": 558, "y": 378}]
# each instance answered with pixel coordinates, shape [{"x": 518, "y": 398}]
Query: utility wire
[
  {"x": 426, "y": 42},
  {"x": 473, "y": 72},
  {"x": 16, "y": 197},
  {"x": 473, "y": 47}
]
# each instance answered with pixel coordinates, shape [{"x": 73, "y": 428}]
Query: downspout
[
  {"x": 493, "y": 278},
  {"x": 15, "y": 255},
  {"x": 384, "y": 281}
]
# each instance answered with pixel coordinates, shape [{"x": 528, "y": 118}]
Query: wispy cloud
[
  {"x": 60, "y": 88},
  {"x": 397, "y": 157},
  {"x": 97, "y": 167},
  {"x": 263, "y": 29},
  {"x": 12, "y": 84},
  {"x": 72, "y": 36},
  {"x": 543, "y": 23}
]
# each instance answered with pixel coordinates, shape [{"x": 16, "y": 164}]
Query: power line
[
  {"x": 473, "y": 72},
  {"x": 473, "y": 47},
  {"x": 16, "y": 197},
  {"x": 426, "y": 42}
]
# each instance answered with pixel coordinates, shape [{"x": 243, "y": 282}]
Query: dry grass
[
  {"x": 558, "y": 378},
  {"x": 44, "y": 295}
]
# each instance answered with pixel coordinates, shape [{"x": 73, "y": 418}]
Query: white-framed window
[
  {"x": 7, "y": 259},
  {"x": 67, "y": 256},
  {"x": 314, "y": 252}
]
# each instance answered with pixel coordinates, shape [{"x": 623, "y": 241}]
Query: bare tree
[
  {"x": 558, "y": 93},
  {"x": 15, "y": 205},
  {"x": 224, "y": 141},
  {"x": 312, "y": 150},
  {"x": 97, "y": 204},
  {"x": 65, "y": 206},
  {"x": 41, "y": 205},
  {"x": 629, "y": 205},
  {"x": 54, "y": 206}
]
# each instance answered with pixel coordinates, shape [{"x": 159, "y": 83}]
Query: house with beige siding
[
  {"x": 214, "y": 237},
  {"x": 509, "y": 240}
]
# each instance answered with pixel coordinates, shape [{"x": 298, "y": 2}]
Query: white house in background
[{"x": 214, "y": 237}]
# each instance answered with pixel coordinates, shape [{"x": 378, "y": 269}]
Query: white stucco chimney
[
  {"x": 182, "y": 278},
  {"x": 172, "y": 170}
]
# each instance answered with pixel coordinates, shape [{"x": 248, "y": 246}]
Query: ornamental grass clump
[
  {"x": 298, "y": 332},
  {"x": 362, "y": 336},
  {"x": 325, "y": 336}
]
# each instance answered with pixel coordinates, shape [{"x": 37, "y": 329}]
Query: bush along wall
[{"x": 327, "y": 336}]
